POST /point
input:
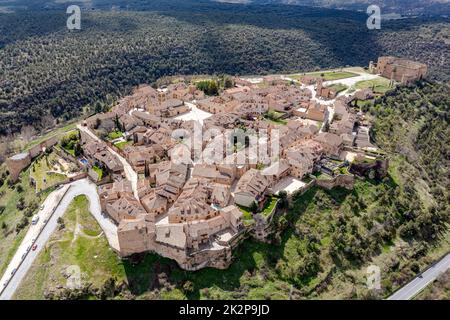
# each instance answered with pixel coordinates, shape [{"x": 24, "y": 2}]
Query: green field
[
  {"x": 338, "y": 87},
  {"x": 122, "y": 144},
  {"x": 115, "y": 135},
  {"x": 327, "y": 75},
  {"x": 269, "y": 206},
  {"x": 379, "y": 85}
]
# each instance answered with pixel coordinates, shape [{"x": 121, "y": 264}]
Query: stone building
[
  {"x": 401, "y": 70},
  {"x": 17, "y": 163},
  {"x": 20, "y": 161}
]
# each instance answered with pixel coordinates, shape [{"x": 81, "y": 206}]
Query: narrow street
[{"x": 130, "y": 174}]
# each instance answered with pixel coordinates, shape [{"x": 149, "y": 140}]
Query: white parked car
[{"x": 35, "y": 219}]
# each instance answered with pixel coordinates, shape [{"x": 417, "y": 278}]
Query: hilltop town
[{"x": 189, "y": 175}]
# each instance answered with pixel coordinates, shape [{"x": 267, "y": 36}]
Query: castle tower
[
  {"x": 319, "y": 86},
  {"x": 371, "y": 67}
]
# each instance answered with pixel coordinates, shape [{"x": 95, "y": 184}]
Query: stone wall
[
  {"x": 379, "y": 168},
  {"x": 16, "y": 164},
  {"x": 342, "y": 180},
  {"x": 20, "y": 161},
  {"x": 80, "y": 176}
]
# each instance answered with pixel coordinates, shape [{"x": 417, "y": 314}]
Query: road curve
[
  {"x": 410, "y": 290},
  {"x": 41, "y": 232}
]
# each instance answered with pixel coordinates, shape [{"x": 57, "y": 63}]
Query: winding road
[
  {"x": 55, "y": 206},
  {"x": 419, "y": 283}
]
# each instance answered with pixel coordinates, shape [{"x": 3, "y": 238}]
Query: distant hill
[
  {"x": 406, "y": 7},
  {"x": 48, "y": 73}
]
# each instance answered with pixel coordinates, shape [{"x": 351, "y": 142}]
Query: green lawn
[
  {"x": 328, "y": 75},
  {"x": 54, "y": 133},
  {"x": 87, "y": 248},
  {"x": 41, "y": 172},
  {"x": 115, "y": 135},
  {"x": 379, "y": 85},
  {"x": 69, "y": 141},
  {"x": 338, "y": 87},
  {"x": 122, "y": 144},
  {"x": 269, "y": 206},
  {"x": 278, "y": 122},
  {"x": 246, "y": 215},
  {"x": 275, "y": 117},
  {"x": 99, "y": 171},
  {"x": 344, "y": 170}
]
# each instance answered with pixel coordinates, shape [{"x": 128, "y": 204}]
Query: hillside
[
  {"x": 405, "y": 7},
  {"x": 49, "y": 74},
  {"x": 327, "y": 239}
]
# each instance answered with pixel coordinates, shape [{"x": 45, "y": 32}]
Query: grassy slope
[
  {"x": 87, "y": 249},
  {"x": 9, "y": 239},
  {"x": 260, "y": 271},
  {"x": 332, "y": 236},
  {"x": 301, "y": 258}
]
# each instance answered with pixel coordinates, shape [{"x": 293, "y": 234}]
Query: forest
[{"x": 49, "y": 75}]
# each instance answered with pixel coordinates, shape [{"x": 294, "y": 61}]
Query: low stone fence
[
  {"x": 68, "y": 180},
  {"x": 342, "y": 180},
  {"x": 303, "y": 189}
]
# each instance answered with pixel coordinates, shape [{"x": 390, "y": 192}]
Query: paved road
[
  {"x": 64, "y": 197},
  {"x": 420, "y": 282},
  {"x": 130, "y": 174},
  {"x": 349, "y": 82}
]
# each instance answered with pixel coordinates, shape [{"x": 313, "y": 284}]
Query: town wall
[{"x": 342, "y": 180}]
